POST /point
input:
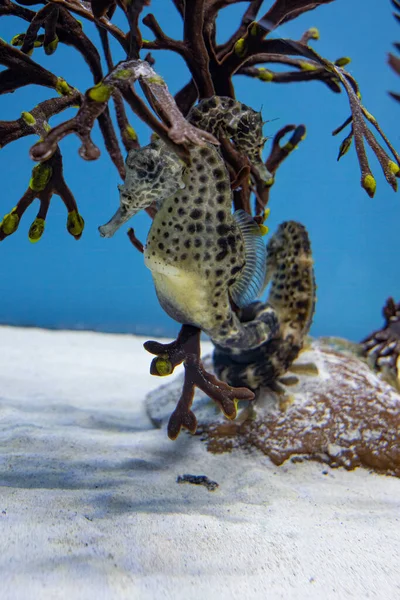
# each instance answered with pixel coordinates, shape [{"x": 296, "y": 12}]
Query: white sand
[{"x": 90, "y": 507}]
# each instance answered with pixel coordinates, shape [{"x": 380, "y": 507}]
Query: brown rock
[{"x": 345, "y": 416}]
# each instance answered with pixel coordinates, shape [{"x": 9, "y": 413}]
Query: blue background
[{"x": 102, "y": 284}]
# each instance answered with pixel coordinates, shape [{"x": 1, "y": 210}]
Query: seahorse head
[{"x": 153, "y": 173}]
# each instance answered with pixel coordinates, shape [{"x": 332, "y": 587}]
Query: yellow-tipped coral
[
  {"x": 100, "y": 92},
  {"x": 36, "y": 230},
  {"x": 369, "y": 184},
  {"x": 75, "y": 224},
  {"x": 41, "y": 175},
  {"x": 10, "y": 222},
  {"x": 163, "y": 366}
]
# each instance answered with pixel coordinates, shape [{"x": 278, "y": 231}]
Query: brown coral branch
[
  {"x": 22, "y": 71},
  {"x": 162, "y": 41},
  {"x": 198, "y": 62},
  {"x": 186, "y": 349},
  {"x": 291, "y": 76},
  {"x": 283, "y": 11},
  {"x": 81, "y": 124},
  {"x": 36, "y": 120},
  {"x": 128, "y": 134},
  {"x": 50, "y": 40},
  {"x": 102, "y": 8},
  {"x": 277, "y": 155},
  {"x": 382, "y": 347},
  {"x": 38, "y": 21},
  {"x": 133, "y": 9},
  {"x": 111, "y": 141},
  {"x": 80, "y": 9},
  {"x": 193, "y": 48},
  {"x": 135, "y": 241},
  {"x": 47, "y": 179},
  {"x": 60, "y": 25},
  {"x": 249, "y": 16},
  {"x": 10, "y": 8},
  {"x": 360, "y": 130},
  {"x": 95, "y": 102}
]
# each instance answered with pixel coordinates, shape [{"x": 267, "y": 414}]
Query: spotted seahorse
[{"x": 208, "y": 264}]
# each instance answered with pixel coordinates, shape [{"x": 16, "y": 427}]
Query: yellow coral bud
[
  {"x": 240, "y": 47},
  {"x": 18, "y": 39},
  {"x": 288, "y": 147},
  {"x": 254, "y": 29},
  {"x": 393, "y": 167},
  {"x": 265, "y": 75},
  {"x": 62, "y": 87},
  {"x": 28, "y": 118},
  {"x": 51, "y": 47},
  {"x": 75, "y": 224},
  {"x": 163, "y": 367},
  {"x": 156, "y": 79},
  {"x": 345, "y": 146},
  {"x": 313, "y": 33},
  {"x": 10, "y": 222},
  {"x": 232, "y": 416},
  {"x": 46, "y": 126},
  {"x": 123, "y": 74},
  {"x": 343, "y": 61},
  {"x": 306, "y": 66},
  {"x": 131, "y": 133},
  {"x": 36, "y": 230},
  {"x": 263, "y": 229},
  {"x": 100, "y": 92},
  {"x": 370, "y": 117},
  {"x": 40, "y": 177},
  {"x": 266, "y": 214},
  {"x": 369, "y": 184}
]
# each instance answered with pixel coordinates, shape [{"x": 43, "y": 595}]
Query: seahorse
[
  {"x": 208, "y": 264},
  {"x": 292, "y": 299}
]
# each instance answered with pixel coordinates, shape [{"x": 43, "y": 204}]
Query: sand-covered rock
[{"x": 344, "y": 416}]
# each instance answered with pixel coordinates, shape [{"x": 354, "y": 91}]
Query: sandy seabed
[{"x": 90, "y": 507}]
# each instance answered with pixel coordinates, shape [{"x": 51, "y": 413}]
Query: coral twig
[
  {"x": 277, "y": 156},
  {"x": 186, "y": 349},
  {"x": 95, "y": 102},
  {"x": 47, "y": 179}
]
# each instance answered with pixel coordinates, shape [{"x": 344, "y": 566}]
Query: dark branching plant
[
  {"x": 250, "y": 51},
  {"x": 212, "y": 66}
]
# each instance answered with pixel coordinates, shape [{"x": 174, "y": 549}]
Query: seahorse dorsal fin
[{"x": 250, "y": 282}]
